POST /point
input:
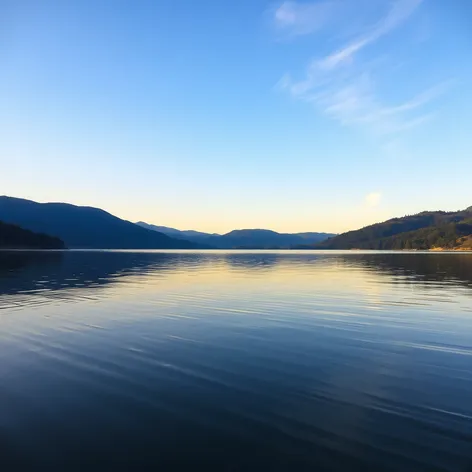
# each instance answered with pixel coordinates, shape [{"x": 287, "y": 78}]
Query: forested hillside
[
  {"x": 14, "y": 237},
  {"x": 426, "y": 230}
]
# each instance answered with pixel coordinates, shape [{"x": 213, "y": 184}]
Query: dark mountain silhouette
[
  {"x": 14, "y": 237},
  {"x": 190, "y": 235},
  {"x": 426, "y": 230},
  {"x": 263, "y": 238},
  {"x": 84, "y": 227},
  {"x": 243, "y": 238}
]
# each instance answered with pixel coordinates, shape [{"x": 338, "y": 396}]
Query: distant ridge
[
  {"x": 188, "y": 234},
  {"x": 84, "y": 227},
  {"x": 426, "y": 230},
  {"x": 244, "y": 238}
]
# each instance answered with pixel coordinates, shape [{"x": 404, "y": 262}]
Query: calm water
[{"x": 235, "y": 361}]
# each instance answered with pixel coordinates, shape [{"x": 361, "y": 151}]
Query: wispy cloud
[
  {"x": 344, "y": 86},
  {"x": 303, "y": 18},
  {"x": 400, "y": 11},
  {"x": 356, "y": 103}
]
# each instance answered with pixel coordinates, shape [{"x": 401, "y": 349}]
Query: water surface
[{"x": 235, "y": 361}]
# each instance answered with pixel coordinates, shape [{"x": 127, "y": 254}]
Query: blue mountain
[{"x": 84, "y": 227}]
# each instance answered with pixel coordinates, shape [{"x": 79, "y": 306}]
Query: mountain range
[
  {"x": 84, "y": 227},
  {"x": 426, "y": 230},
  {"x": 243, "y": 238},
  {"x": 81, "y": 227},
  {"x": 25, "y": 223}
]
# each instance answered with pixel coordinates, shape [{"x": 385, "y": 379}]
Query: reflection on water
[{"x": 236, "y": 361}]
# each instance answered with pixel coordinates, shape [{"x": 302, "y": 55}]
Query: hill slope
[
  {"x": 14, "y": 237},
  {"x": 243, "y": 238},
  {"x": 190, "y": 235},
  {"x": 426, "y": 230},
  {"x": 84, "y": 227},
  {"x": 264, "y": 238}
]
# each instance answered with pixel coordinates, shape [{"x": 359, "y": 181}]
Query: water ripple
[{"x": 236, "y": 361}]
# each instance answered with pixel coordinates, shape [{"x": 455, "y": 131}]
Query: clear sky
[{"x": 213, "y": 115}]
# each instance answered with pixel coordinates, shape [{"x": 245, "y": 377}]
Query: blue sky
[{"x": 295, "y": 116}]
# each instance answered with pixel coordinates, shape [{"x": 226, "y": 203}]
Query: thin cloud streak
[
  {"x": 400, "y": 12},
  {"x": 345, "y": 89},
  {"x": 297, "y": 18},
  {"x": 421, "y": 99}
]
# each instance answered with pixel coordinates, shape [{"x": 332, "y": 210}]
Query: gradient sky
[{"x": 213, "y": 115}]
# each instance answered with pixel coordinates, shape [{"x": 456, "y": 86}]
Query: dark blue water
[{"x": 235, "y": 361}]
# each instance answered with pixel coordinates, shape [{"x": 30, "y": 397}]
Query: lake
[{"x": 229, "y": 361}]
